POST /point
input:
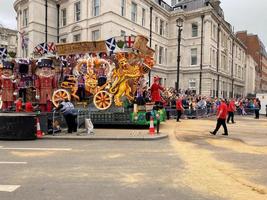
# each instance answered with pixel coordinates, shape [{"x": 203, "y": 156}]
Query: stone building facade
[
  {"x": 8, "y": 39},
  {"x": 256, "y": 49},
  {"x": 212, "y": 58}
]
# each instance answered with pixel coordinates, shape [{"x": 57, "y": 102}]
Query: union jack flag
[
  {"x": 41, "y": 48},
  {"x": 51, "y": 47}
]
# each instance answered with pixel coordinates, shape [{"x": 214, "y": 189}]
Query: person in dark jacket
[{"x": 67, "y": 109}]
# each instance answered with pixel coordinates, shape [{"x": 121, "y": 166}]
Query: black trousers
[
  {"x": 230, "y": 116},
  {"x": 219, "y": 123},
  {"x": 71, "y": 122},
  {"x": 179, "y": 114},
  {"x": 257, "y": 113}
]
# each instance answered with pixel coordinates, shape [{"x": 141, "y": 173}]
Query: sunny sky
[{"x": 242, "y": 14}]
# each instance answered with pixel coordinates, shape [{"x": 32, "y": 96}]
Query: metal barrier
[{"x": 192, "y": 113}]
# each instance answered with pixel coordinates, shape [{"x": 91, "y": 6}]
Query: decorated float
[{"x": 104, "y": 79}]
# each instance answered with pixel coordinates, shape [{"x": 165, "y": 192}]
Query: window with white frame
[
  {"x": 134, "y": 12},
  {"x": 123, "y": 7},
  {"x": 64, "y": 17},
  {"x": 194, "y": 30},
  {"x": 95, "y": 35},
  {"x": 143, "y": 17},
  {"x": 123, "y": 33},
  {"x": 77, "y": 10},
  {"x": 77, "y": 38},
  {"x": 96, "y": 7},
  {"x": 161, "y": 27},
  {"x": 194, "y": 56},
  {"x": 161, "y": 52},
  {"x": 25, "y": 17},
  {"x": 192, "y": 84},
  {"x": 63, "y": 40}
]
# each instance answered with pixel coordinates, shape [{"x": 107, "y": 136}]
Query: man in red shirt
[
  {"x": 231, "y": 110},
  {"x": 221, "y": 118},
  {"x": 179, "y": 108},
  {"x": 155, "y": 91}
]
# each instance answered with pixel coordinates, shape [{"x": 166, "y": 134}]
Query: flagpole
[{"x": 150, "y": 42}]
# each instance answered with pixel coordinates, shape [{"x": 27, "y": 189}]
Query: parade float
[
  {"x": 110, "y": 80},
  {"x": 106, "y": 80}
]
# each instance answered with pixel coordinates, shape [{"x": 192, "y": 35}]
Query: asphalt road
[{"x": 190, "y": 165}]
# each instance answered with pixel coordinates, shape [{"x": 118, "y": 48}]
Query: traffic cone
[
  {"x": 39, "y": 133},
  {"x": 151, "y": 127}
]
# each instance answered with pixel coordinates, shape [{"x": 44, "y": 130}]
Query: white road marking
[
  {"x": 8, "y": 188},
  {"x": 11, "y": 163},
  {"x": 38, "y": 149}
]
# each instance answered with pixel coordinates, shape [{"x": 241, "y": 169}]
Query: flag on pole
[
  {"x": 41, "y": 48},
  {"x": 3, "y": 53},
  {"x": 111, "y": 44},
  {"x": 51, "y": 47},
  {"x": 129, "y": 41}
]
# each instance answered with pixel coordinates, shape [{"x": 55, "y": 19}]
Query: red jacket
[
  {"x": 231, "y": 107},
  {"x": 179, "y": 105}
]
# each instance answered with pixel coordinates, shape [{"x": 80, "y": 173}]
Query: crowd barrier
[{"x": 191, "y": 113}]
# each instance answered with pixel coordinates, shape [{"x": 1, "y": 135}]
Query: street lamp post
[{"x": 179, "y": 24}]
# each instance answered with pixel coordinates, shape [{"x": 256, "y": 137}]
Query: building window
[
  {"x": 77, "y": 9},
  {"x": 156, "y": 24},
  {"x": 161, "y": 51},
  {"x": 143, "y": 17},
  {"x": 77, "y": 38},
  {"x": 161, "y": 27},
  {"x": 64, "y": 17},
  {"x": 194, "y": 30},
  {"x": 25, "y": 17},
  {"x": 123, "y": 33},
  {"x": 192, "y": 84},
  {"x": 96, "y": 7},
  {"x": 194, "y": 56},
  {"x": 63, "y": 40},
  {"x": 95, "y": 35},
  {"x": 123, "y": 8},
  {"x": 134, "y": 12}
]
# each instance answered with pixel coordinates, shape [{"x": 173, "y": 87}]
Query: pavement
[{"x": 108, "y": 134}]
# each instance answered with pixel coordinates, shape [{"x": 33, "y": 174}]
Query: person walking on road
[
  {"x": 257, "y": 107},
  {"x": 221, "y": 118},
  {"x": 179, "y": 108},
  {"x": 231, "y": 111},
  {"x": 67, "y": 109}
]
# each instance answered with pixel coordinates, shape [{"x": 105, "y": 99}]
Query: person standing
[
  {"x": 257, "y": 107},
  {"x": 231, "y": 110},
  {"x": 67, "y": 109},
  {"x": 221, "y": 118},
  {"x": 179, "y": 108}
]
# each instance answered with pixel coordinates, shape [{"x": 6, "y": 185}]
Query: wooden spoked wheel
[
  {"x": 60, "y": 94},
  {"x": 1, "y": 102},
  {"x": 102, "y": 100}
]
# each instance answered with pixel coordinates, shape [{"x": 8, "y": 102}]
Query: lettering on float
[{"x": 81, "y": 47}]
